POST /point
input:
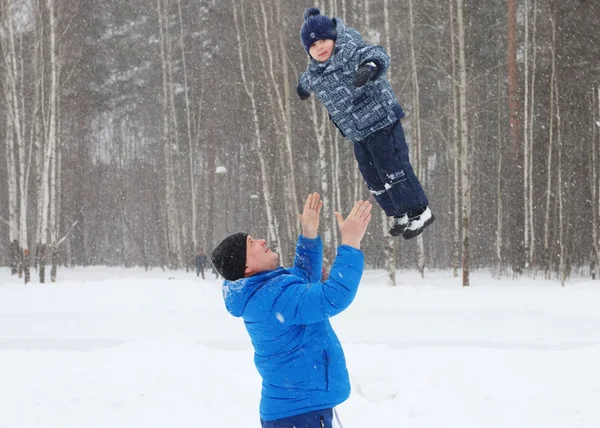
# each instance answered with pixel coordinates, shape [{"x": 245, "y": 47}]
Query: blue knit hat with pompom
[{"x": 316, "y": 27}]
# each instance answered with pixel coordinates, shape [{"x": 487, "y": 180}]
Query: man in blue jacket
[{"x": 286, "y": 312}]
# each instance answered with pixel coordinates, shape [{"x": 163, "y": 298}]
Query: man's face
[
  {"x": 321, "y": 50},
  {"x": 259, "y": 257}
]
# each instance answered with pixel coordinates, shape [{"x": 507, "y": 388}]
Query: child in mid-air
[{"x": 348, "y": 76}]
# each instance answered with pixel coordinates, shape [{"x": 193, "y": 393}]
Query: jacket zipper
[{"x": 326, "y": 358}]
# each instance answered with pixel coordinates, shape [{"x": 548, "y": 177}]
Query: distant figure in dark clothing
[{"x": 200, "y": 263}]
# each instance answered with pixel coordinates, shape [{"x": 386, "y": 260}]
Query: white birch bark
[
  {"x": 526, "y": 142},
  {"x": 273, "y": 226},
  {"x": 455, "y": 144},
  {"x": 283, "y": 103},
  {"x": 53, "y": 216},
  {"x": 499, "y": 193},
  {"x": 416, "y": 140},
  {"x": 593, "y": 189},
  {"x": 281, "y": 121},
  {"x": 531, "y": 127},
  {"x": 389, "y": 242},
  {"x": 170, "y": 204},
  {"x": 15, "y": 144},
  {"x": 550, "y": 148},
  {"x": 188, "y": 109},
  {"x": 51, "y": 136},
  {"x": 596, "y": 185},
  {"x": 328, "y": 218},
  {"x": 11, "y": 167},
  {"x": 177, "y": 225},
  {"x": 464, "y": 141},
  {"x": 559, "y": 186},
  {"x": 596, "y": 182},
  {"x": 336, "y": 169}
]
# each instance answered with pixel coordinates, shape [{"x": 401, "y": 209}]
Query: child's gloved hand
[
  {"x": 364, "y": 73},
  {"x": 302, "y": 93}
]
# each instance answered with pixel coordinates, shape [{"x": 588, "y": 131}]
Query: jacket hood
[{"x": 236, "y": 294}]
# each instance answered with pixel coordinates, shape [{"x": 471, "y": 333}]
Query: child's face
[{"x": 321, "y": 50}]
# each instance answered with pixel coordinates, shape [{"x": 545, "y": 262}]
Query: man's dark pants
[{"x": 318, "y": 419}]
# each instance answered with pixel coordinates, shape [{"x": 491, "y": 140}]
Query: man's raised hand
[
  {"x": 310, "y": 215},
  {"x": 353, "y": 228}
]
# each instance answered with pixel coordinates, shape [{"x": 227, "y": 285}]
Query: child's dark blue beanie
[{"x": 316, "y": 27}]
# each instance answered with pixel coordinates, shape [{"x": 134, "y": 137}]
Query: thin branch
[{"x": 67, "y": 234}]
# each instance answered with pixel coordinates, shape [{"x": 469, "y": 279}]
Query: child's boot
[
  {"x": 417, "y": 223},
  {"x": 399, "y": 225}
]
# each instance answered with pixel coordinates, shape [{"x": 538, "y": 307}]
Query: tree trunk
[
  {"x": 597, "y": 242},
  {"x": 51, "y": 139},
  {"x": 170, "y": 202},
  {"x": 455, "y": 145},
  {"x": 595, "y": 184},
  {"x": 14, "y": 137},
  {"x": 499, "y": 187},
  {"x": 464, "y": 145},
  {"x": 526, "y": 141},
  {"x": 54, "y": 204},
  {"x": 389, "y": 249},
  {"x": 559, "y": 186},
  {"x": 531, "y": 115},
  {"x": 273, "y": 225},
  {"x": 177, "y": 225},
  {"x": 188, "y": 109},
  {"x": 13, "y": 225},
  {"x": 390, "y": 242},
  {"x": 514, "y": 189},
  {"x": 550, "y": 148},
  {"x": 324, "y": 169},
  {"x": 416, "y": 135},
  {"x": 281, "y": 121}
]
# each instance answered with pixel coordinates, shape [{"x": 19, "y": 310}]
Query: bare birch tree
[
  {"x": 455, "y": 150},
  {"x": 562, "y": 268},
  {"x": 173, "y": 239},
  {"x": 595, "y": 182},
  {"x": 416, "y": 128},
  {"x": 390, "y": 247},
  {"x": 464, "y": 144},
  {"x": 526, "y": 142},
  {"x": 513, "y": 189},
  {"x": 190, "y": 139},
  {"x": 499, "y": 188},
  {"x": 51, "y": 136},
  {"x": 273, "y": 229},
  {"x": 550, "y": 147},
  {"x": 329, "y": 230}
]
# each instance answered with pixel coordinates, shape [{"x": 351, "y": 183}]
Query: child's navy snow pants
[
  {"x": 318, "y": 419},
  {"x": 383, "y": 160}
]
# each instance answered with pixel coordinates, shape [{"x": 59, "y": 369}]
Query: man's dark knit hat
[
  {"x": 316, "y": 27},
  {"x": 229, "y": 258}
]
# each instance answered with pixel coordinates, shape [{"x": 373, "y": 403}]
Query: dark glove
[
  {"x": 302, "y": 93},
  {"x": 364, "y": 73}
]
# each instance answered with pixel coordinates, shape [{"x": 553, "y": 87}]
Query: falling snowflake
[{"x": 280, "y": 317}]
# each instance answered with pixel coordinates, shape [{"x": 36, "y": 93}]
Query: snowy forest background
[{"x": 134, "y": 132}]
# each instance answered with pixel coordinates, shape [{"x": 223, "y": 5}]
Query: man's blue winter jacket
[
  {"x": 286, "y": 313},
  {"x": 357, "y": 112}
]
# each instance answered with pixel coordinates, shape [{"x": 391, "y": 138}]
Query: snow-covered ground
[{"x": 119, "y": 348}]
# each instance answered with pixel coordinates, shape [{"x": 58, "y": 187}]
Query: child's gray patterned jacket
[{"x": 357, "y": 112}]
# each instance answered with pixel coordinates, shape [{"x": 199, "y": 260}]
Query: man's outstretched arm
[
  {"x": 308, "y": 261},
  {"x": 309, "y": 303}
]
